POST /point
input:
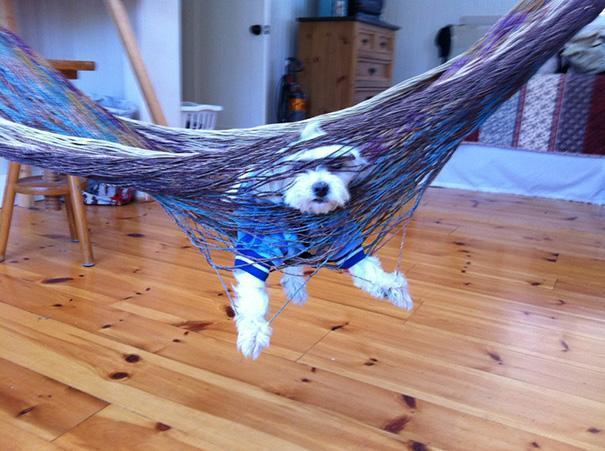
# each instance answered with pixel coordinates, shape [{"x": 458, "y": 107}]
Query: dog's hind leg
[
  {"x": 371, "y": 278},
  {"x": 251, "y": 306},
  {"x": 295, "y": 284}
]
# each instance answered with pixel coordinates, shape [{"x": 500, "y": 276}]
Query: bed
[{"x": 547, "y": 141}]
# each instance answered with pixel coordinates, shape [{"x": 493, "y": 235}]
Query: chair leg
[
  {"x": 69, "y": 211},
  {"x": 8, "y": 205},
  {"x": 80, "y": 218}
]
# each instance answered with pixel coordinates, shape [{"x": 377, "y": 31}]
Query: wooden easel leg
[
  {"x": 80, "y": 219},
  {"x": 8, "y": 205},
  {"x": 118, "y": 12}
]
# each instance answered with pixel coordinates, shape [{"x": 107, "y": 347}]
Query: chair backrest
[{"x": 199, "y": 117}]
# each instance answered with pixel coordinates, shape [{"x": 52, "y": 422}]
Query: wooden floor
[{"x": 504, "y": 351}]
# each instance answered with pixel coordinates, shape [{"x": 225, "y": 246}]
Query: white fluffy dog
[{"x": 321, "y": 189}]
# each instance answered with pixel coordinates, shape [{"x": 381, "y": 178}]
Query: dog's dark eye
[{"x": 297, "y": 166}]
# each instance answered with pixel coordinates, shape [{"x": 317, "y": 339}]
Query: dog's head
[{"x": 326, "y": 172}]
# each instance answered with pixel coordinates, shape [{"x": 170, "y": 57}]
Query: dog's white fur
[{"x": 299, "y": 192}]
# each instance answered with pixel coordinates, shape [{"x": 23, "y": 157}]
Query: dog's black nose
[{"x": 321, "y": 189}]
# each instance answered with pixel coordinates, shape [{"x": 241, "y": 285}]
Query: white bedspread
[{"x": 559, "y": 176}]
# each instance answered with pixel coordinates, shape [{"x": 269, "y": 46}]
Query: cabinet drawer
[
  {"x": 384, "y": 43},
  {"x": 366, "y": 41},
  {"x": 373, "y": 72},
  {"x": 361, "y": 94},
  {"x": 373, "y": 42}
]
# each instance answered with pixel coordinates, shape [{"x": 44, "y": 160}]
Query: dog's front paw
[
  {"x": 253, "y": 335},
  {"x": 396, "y": 291},
  {"x": 295, "y": 287}
]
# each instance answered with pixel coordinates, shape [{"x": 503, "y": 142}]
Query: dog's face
[
  {"x": 324, "y": 184},
  {"x": 321, "y": 176}
]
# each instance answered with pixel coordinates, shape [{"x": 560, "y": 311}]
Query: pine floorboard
[{"x": 504, "y": 350}]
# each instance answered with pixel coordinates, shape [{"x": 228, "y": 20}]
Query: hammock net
[{"x": 209, "y": 181}]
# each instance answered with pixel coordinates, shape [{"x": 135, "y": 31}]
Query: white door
[{"x": 225, "y": 61}]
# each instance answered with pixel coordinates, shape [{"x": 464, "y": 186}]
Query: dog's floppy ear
[{"x": 311, "y": 131}]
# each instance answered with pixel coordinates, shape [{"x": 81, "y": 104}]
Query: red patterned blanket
[{"x": 552, "y": 113}]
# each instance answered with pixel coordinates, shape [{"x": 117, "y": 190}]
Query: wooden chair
[
  {"x": 52, "y": 186},
  {"x": 73, "y": 196}
]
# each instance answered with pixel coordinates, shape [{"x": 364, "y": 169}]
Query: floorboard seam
[{"x": 84, "y": 420}]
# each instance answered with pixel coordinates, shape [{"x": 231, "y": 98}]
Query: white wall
[
  {"x": 157, "y": 25},
  {"x": 75, "y": 29},
  {"x": 210, "y": 70},
  {"x": 421, "y": 19},
  {"x": 284, "y": 39},
  {"x": 225, "y": 64}
]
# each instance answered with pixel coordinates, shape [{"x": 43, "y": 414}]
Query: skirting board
[{"x": 499, "y": 170}]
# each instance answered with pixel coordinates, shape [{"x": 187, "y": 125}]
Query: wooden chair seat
[
  {"x": 38, "y": 186},
  {"x": 68, "y": 187}
]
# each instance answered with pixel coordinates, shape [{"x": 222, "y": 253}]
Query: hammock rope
[{"x": 407, "y": 133}]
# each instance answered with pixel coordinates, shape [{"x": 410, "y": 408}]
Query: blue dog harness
[{"x": 259, "y": 255}]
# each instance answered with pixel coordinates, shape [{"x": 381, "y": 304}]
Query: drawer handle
[
  {"x": 372, "y": 70},
  {"x": 383, "y": 45},
  {"x": 365, "y": 41}
]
